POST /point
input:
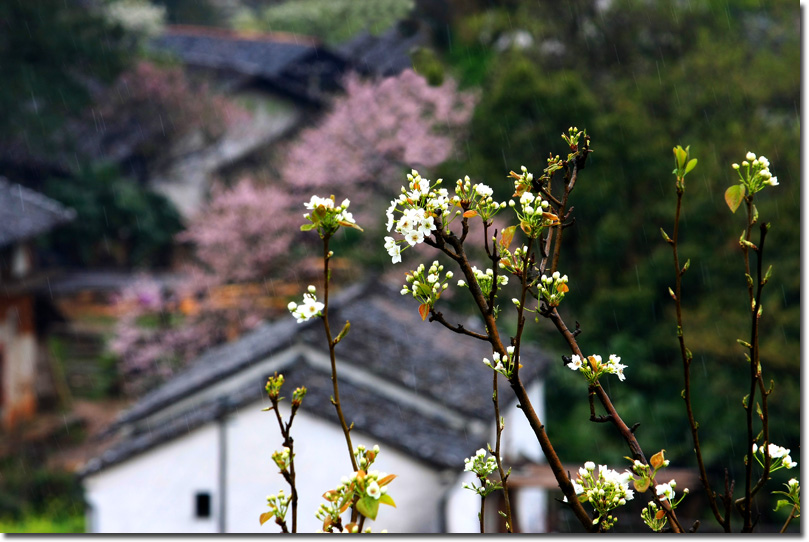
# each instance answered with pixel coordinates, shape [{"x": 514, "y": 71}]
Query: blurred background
[{"x": 155, "y": 155}]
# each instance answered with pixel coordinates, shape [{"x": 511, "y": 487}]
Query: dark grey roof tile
[{"x": 25, "y": 213}]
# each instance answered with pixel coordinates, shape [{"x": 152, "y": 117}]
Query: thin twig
[
  {"x": 330, "y": 340},
  {"x": 497, "y": 440},
  {"x": 686, "y": 358},
  {"x": 436, "y": 316},
  {"x": 789, "y": 519}
]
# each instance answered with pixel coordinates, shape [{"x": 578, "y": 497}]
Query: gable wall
[{"x": 154, "y": 491}]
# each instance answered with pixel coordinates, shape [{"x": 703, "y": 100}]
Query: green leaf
[
  {"x": 691, "y": 165},
  {"x": 368, "y": 507},
  {"x": 734, "y": 196},
  {"x": 680, "y": 156},
  {"x": 387, "y": 499},
  {"x": 307, "y": 227},
  {"x": 781, "y": 504}
]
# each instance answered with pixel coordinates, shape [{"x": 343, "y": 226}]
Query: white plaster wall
[
  {"x": 321, "y": 459},
  {"x": 528, "y": 502},
  {"x": 519, "y": 444},
  {"x": 462, "y": 506},
  {"x": 519, "y": 440},
  {"x": 19, "y": 365},
  {"x": 154, "y": 492}
]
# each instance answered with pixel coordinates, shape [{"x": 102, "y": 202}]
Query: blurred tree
[
  {"x": 197, "y": 12},
  {"x": 642, "y": 77},
  {"x": 119, "y": 222},
  {"x": 333, "y": 21},
  {"x": 52, "y": 54}
]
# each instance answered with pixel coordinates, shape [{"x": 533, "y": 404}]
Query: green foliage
[
  {"x": 35, "y": 499},
  {"x": 50, "y": 51},
  {"x": 427, "y": 64},
  {"x": 198, "y": 12},
  {"x": 37, "y": 524},
  {"x": 333, "y": 21},
  {"x": 641, "y": 76},
  {"x": 118, "y": 221}
]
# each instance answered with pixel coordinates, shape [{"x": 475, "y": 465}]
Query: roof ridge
[
  {"x": 35, "y": 198},
  {"x": 225, "y": 33}
]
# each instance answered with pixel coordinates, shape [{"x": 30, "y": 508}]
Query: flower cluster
[
  {"x": 653, "y": 517},
  {"x": 604, "y": 492},
  {"x": 279, "y": 504},
  {"x": 572, "y": 138},
  {"x": 754, "y": 173},
  {"x": 481, "y": 466},
  {"x": 512, "y": 262},
  {"x": 365, "y": 489},
  {"x": 595, "y": 368},
  {"x": 534, "y": 215},
  {"x": 476, "y": 200},
  {"x": 282, "y": 459},
  {"x": 426, "y": 207},
  {"x": 426, "y": 285},
  {"x": 274, "y": 384},
  {"x": 326, "y": 217},
  {"x": 309, "y": 308},
  {"x": 779, "y": 457},
  {"x": 666, "y": 491},
  {"x": 419, "y": 207},
  {"x": 523, "y": 182},
  {"x": 485, "y": 280},
  {"x": 365, "y": 457},
  {"x": 503, "y": 364},
  {"x": 553, "y": 289}
]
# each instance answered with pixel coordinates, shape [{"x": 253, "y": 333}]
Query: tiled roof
[
  {"x": 25, "y": 213},
  {"x": 265, "y": 55},
  {"x": 417, "y": 361},
  {"x": 383, "y": 55}
]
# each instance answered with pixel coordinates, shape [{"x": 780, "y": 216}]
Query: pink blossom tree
[
  {"x": 248, "y": 233},
  {"x": 374, "y": 133}
]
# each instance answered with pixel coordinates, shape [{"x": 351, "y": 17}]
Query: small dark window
[{"x": 203, "y": 504}]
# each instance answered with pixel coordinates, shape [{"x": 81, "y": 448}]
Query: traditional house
[
  {"x": 195, "y": 454},
  {"x": 25, "y": 215},
  {"x": 298, "y": 67}
]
